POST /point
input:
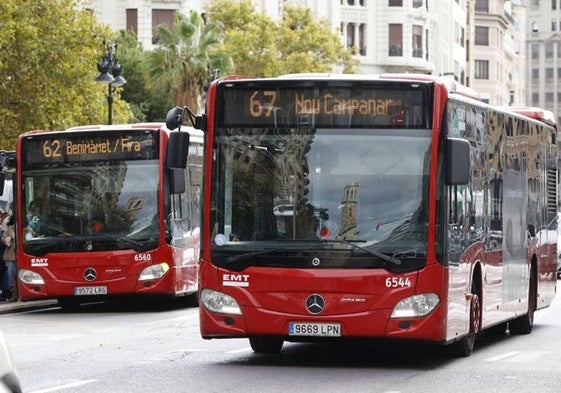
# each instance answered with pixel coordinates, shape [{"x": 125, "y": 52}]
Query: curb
[{"x": 19, "y": 306}]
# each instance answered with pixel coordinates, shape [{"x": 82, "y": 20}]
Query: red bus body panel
[
  {"x": 118, "y": 270},
  {"x": 358, "y": 299}
]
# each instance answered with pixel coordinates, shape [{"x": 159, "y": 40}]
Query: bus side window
[
  {"x": 185, "y": 205},
  {"x": 456, "y": 206},
  {"x": 194, "y": 191},
  {"x": 179, "y": 210}
]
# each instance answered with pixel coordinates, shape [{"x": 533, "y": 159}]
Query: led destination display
[
  {"x": 68, "y": 147},
  {"x": 329, "y": 106}
]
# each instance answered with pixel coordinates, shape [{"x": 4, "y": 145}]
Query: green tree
[
  {"x": 146, "y": 105},
  {"x": 261, "y": 47},
  {"x": 309, "y": 46},
  {"x": 182, "y": 61},
  {"x": 130, "y": 55},
  {"x": 249, "y": 37},
  {"x": 47, "y": 67}
]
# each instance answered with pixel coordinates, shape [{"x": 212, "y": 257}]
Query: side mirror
[
  {"x": 177, "y": 180},
  {"x": 457, "y": 161},
  {"x": 174, "y": 118},
  {"x": 177, "y": 150}
]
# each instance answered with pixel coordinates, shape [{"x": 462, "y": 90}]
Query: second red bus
[{"x": 100, "y": 213}]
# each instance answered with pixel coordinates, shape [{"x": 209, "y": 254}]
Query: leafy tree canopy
[
  {"x": 145, "y": 105},
  {"x": 47, "y": 68},
  {"x": 260, "y": 46},
  {"x": 249, "y": 37},
  {"x": 182, "y": 62},
  {"x": 308, "y": 46}
]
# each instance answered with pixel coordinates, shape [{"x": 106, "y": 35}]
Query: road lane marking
[
  {"x": 503, "y": 356},
  {"x": 241, "y": 350},
  {"x": 65, "y": 386}
]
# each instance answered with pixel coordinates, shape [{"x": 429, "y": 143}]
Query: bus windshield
[
  {"x": 279, "y": 192},
  {"x": 91, "y": 206}
]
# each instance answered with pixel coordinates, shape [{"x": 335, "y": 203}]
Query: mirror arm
[{"x": 198, "y": 122}]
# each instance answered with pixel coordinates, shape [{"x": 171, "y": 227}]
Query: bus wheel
[
  {"x": 265, "y": 344},
  {"x": 68, "y": 304},
  {"x": 524, "y": 324},
  {"x": 464, "y": 346}
]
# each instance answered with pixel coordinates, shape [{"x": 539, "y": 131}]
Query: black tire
[
  {"x": 69, "y": 304},
  {"x": 266, "y": 344},
  {"x": 192, "y": 300},
  {"x": 525, "y": 323},
  {"x": 464, "y": 346},
  {"x": 498, "y": 330}
]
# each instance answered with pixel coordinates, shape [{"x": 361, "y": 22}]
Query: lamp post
[{"x": 110, "y": 73}]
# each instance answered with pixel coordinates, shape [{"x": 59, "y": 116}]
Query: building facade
[
  {"x": 498, "y": 51},
  {"x": 544, "y": 55},
  {"x": 477, "y": 42},
  {"x": 141, "y": 16}
]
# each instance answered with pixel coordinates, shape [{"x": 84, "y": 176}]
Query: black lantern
[{"x": 110, "y": 73}]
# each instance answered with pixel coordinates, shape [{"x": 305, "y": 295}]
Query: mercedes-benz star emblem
[
  {"x": 315, "y": 304},
  {"x": 90, "y": 274}
]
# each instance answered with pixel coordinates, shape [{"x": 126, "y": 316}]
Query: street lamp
[{"x": 110, "y": 73}]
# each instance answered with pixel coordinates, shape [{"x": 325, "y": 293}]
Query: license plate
[
  {"x": 81, "y": 291},
  {"x": 314, "y": 329}
]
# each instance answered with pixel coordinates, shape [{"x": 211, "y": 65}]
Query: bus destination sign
[
  {"x": 323, "y": 107},
  {"x": 89, "y": 147}
]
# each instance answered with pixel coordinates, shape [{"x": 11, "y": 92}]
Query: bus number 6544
[{"x": 398, "y": 282}]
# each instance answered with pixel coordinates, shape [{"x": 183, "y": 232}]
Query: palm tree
[{"x": 184, "y": 58}]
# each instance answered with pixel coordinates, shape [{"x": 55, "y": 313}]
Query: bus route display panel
[
  {"x": 323, "y": 104},
  {"x": 65, "y": 147}
]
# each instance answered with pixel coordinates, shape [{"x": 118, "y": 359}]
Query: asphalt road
[{"x": 125, "y": 348}]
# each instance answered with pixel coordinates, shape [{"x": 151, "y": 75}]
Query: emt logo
[
  {"x": 235, "y": 280},
  {"x": 39, "y": 261}
]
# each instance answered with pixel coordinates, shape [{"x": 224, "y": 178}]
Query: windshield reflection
[
  {"x": 112, "y": 203},
  {"x": 316, "y": 184}
]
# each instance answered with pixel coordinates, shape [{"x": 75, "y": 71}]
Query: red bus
[
  {"x": 101, "y": 213},
  {"x": 383, "y": 206}
]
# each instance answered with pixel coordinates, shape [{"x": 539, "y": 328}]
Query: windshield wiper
[
  {"x": 247, "y": 255},
  {"x": 412, "y": 253},
  {"x": 41, "y": 246},
  {"x": 136, "y": 245},
  {"x": 237, "y": 264},
  {"x": 388, "y": 258}
]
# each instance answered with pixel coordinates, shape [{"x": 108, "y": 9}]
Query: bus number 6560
[{"x": 142, "y": 257}]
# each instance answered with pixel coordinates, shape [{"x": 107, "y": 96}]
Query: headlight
[
  {"x": 415, "y": 306},
  {"x": 219, "y": 302},
  {"x": 154, "y": 272},
  {"x": 31, "y": 278}
]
